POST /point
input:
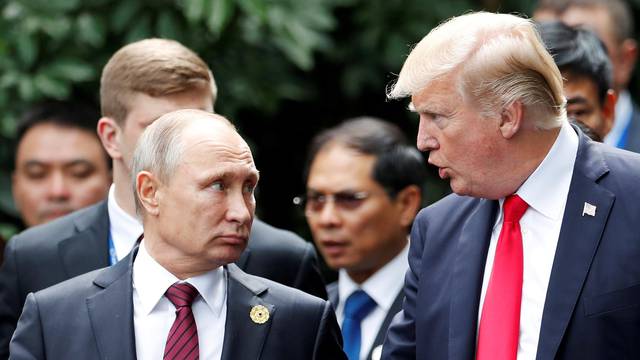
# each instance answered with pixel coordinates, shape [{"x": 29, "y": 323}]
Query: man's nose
[
  {"x": 328, "y": 214},
  {"x": 426, "y": 140},
  {"x": 58, "y": 187},
  {"x": 238, "y": 209}
]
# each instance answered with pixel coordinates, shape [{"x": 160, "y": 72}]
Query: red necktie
[
  {"x": 500, "y": 320},
  {"x": 182, "y": 342}
]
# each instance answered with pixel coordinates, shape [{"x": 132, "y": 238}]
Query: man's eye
[
  {"x": 249, "y": 188},
  {"x": 218, "y": 186},
  {"x": 81, "y": 172},
  {"x": 35, "y": 173}
]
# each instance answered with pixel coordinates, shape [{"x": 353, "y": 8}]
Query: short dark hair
[
  {"x": 397, "y": 164},
  {"x": 62, "y": 113},
  {"x": 580, "y": 52},
  {"x": 65, "y": 114}
]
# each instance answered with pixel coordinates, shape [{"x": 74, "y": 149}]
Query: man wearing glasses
[{"x": 364, "y": 188}]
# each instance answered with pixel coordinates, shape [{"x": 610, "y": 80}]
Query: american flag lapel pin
[{"x": 589, "y": 209}]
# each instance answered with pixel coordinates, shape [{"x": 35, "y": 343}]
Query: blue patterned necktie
[{"x": 356, "y": 308}]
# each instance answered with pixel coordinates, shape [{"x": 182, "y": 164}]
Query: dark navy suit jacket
[
  {"x": 592, "y": 308},
  {"x": 78, "y": 243},
  {"x": 91, "y": 317}
]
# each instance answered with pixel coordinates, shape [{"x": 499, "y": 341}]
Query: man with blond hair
[
  {"x": 535, "y": 254},
  {"x": 178, "y": 294},
  {"x": 141, "y": 82}
]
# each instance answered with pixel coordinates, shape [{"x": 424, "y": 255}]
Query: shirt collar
[
  {"x": 151, "y": 281},
  {"x": 383, "y": 286},
  {"x": 125, "y": 229},
  {"x": 624, "y": 109},
  {"x": 547, "y": 187}
]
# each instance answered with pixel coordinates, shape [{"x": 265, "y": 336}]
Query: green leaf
[
  {"x": 220, "y": 15},
  {"x": 91, "y": 30},
  {"x": 167, "y": 26},
  {"x": 57, "y": 27},
  {"x": 300, "y": 56},
  {"x": 27, "y": 48},
  {"x": 26, "y": 89},
  {"x": 9, "y": 79},
  {"x": 124, "y": 14},
  {"x": 194, "y": 10},
  {"x": 74, "y": 70},
  {"x": 52, "y": 87},
  {"x": 140, "y": 30},
  {"x": 51, "y": 5}
]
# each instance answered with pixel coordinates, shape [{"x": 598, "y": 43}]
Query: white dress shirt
[
  {"x": 153, "y": 313},
  {"x": 124, "y": 228},
  {"x": 383, "y": 287},
  {"x": 624, "y": 112},
  {"x": 546, "y": 193}
]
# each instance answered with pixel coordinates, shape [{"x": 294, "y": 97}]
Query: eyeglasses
[{"x": 314, "y": 202}]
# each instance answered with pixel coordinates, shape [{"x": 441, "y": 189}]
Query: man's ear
[
  {"x": 109, "y": 133},
  {"x": 609, "y": 111},
  {"x": 148, "y": 192},
  {"x": 511, "y": 119},
  {"x": 628, "y": 54},
  {"x": 409, "y": 201}
]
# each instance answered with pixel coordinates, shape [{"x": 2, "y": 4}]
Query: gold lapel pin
[{"x": 259, "y": 314}]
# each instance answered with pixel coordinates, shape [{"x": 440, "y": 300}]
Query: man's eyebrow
[
  {"x": 78, "y": 162},
  {"x": 32, "y": 163},
  {"x": 577, "y": 100}
]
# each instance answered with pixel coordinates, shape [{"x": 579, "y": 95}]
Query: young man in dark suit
[
  {"x": 535, "y": 256},
  {"x": 364, "y": 187},
  {"x": 178, "y": 295},
  {"x": 141, "y": 82}
]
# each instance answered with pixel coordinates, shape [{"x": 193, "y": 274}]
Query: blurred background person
[
  {"x": 549, "y": 10},
  {"x": 613, "y": 21},
  {"x": 586, "y": 73},
  {"x": 364, "y": 188},
  {"x": 60, "y": 165}
]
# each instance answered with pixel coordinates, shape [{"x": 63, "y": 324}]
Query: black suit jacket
[
  {"x": 633, "y": 132},
  {"x": 78, "y": 243},
  {"x": 91, "y": 317},
  {"x": 396, "y": 306},
  {"x": 592, "y": 304}
]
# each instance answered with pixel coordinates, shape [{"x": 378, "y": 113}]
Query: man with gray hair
[
  {"x": 178, "y": 294},
  {"x": 142, "y": 81},
  {"x": 529, "y": 258}
]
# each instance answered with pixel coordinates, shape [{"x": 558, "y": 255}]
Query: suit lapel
[
  {"x": 243, "y": 338},
  {"x": 579, "y": 237},
  {"x": 87, "y": 250},
  {"x": 111, "y": 312},
  {"x": 396, "y": 306},
  {"x": 467, "y": 280}
]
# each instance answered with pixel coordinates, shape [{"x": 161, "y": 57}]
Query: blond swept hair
[
  {"x": 495, "y": 60},
  {"x": 155, "y": 67}
]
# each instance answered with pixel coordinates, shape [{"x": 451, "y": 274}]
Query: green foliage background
[{"x": 285, "y": 68}]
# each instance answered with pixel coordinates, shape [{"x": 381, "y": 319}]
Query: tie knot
[
  {"x": 181, "y": 294},
  {"x": 514, "y": 207},
  {"x": 358, "y": 305}
]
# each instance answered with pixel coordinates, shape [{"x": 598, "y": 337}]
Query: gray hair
[{"x": 160, "y": 148}]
